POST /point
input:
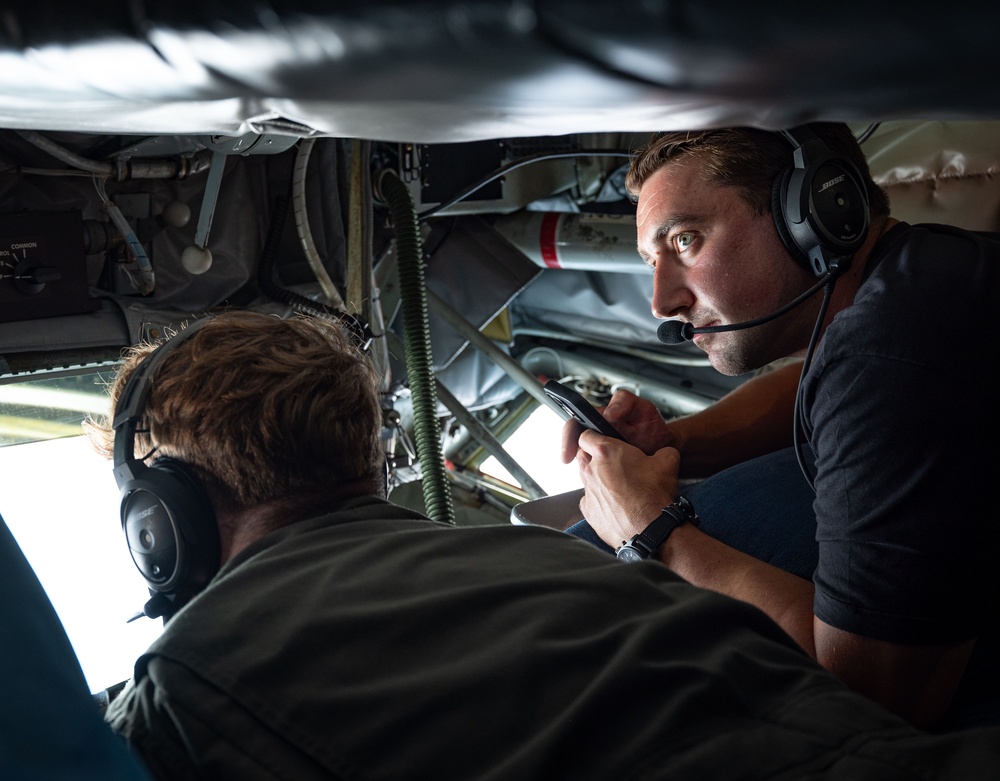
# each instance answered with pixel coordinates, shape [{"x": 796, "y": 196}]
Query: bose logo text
[
  {"x": 832, "y": 182},
  {"x": 145, "y": 513}
]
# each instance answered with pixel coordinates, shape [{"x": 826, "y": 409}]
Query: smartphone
[{"x": 581, "y": 410}]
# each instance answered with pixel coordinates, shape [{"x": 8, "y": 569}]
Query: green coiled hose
[{"x": 417, "y": 340}]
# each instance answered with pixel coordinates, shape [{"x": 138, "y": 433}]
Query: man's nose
[{"x": 671, "y": 297}]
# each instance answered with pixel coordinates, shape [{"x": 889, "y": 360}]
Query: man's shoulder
[
  {"x": 916, "y": 273},
  {"x": 923, "y": 248},
  {"x": 140, "y": 715}
]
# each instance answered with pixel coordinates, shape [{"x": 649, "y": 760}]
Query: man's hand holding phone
[{"x": 635, "y": 420}]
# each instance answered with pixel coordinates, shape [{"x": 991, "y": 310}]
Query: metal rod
[{"x": 520, "y": 375}]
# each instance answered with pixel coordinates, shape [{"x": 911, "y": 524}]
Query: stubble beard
[{"x": 738, "y": 352}]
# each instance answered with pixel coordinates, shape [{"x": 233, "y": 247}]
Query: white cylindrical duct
[{"x": 583, "y": 242}]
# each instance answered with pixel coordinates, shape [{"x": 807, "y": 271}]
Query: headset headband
[{"x": 132, "y": 398}]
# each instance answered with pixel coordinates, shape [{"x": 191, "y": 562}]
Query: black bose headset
[
  {"x": 821, "y": 211},
  {"x": 820, "y": 204},
  {"x": 168, "y": 520}
]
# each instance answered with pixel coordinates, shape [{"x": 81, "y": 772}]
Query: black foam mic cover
[{"x": 674, "y": 332}]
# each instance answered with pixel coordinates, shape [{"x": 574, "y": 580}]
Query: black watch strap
[{"x": 649, "y": 540}]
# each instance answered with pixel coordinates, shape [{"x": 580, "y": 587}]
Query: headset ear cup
[
  {"x": 820, "y": 203},
  {"x": 170, "y": 527},
  {"x": 779, "y": 200}
]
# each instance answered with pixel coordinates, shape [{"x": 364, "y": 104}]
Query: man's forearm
[
  {"x": 787, "y": 599},
  {"x": 752, "y": 420}
]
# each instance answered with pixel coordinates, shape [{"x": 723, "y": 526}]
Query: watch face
[{"x": 628, "y": 553}]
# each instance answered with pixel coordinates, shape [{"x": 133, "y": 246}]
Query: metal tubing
[{"x": 520, "y": 375}]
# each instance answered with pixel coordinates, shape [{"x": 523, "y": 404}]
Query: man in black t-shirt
[{"x": 892, "y": 422}]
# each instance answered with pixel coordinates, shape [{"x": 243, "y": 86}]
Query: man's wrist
[
  {"x": 647, "y": 542},
  {"x": 675, "y": 435}
]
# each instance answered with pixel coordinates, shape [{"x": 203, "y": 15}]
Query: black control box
[{"x": 43, "y": 269}]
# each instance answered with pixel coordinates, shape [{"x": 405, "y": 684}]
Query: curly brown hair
[
  {"x": 265, "y": 408},
  {"x": 748, "y": 159}
]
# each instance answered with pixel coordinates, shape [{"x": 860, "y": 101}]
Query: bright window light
[
  {"x": 535, "y": 446},
  {"x": 60, "y": 502}
]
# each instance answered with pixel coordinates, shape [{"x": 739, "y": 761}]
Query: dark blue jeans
[{"x": 762, "y": 507}]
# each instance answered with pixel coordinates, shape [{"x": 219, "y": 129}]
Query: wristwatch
[{"x": 647, "y": 542}]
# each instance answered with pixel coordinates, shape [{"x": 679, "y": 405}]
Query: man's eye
[{"x": 683, "y": 241}]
